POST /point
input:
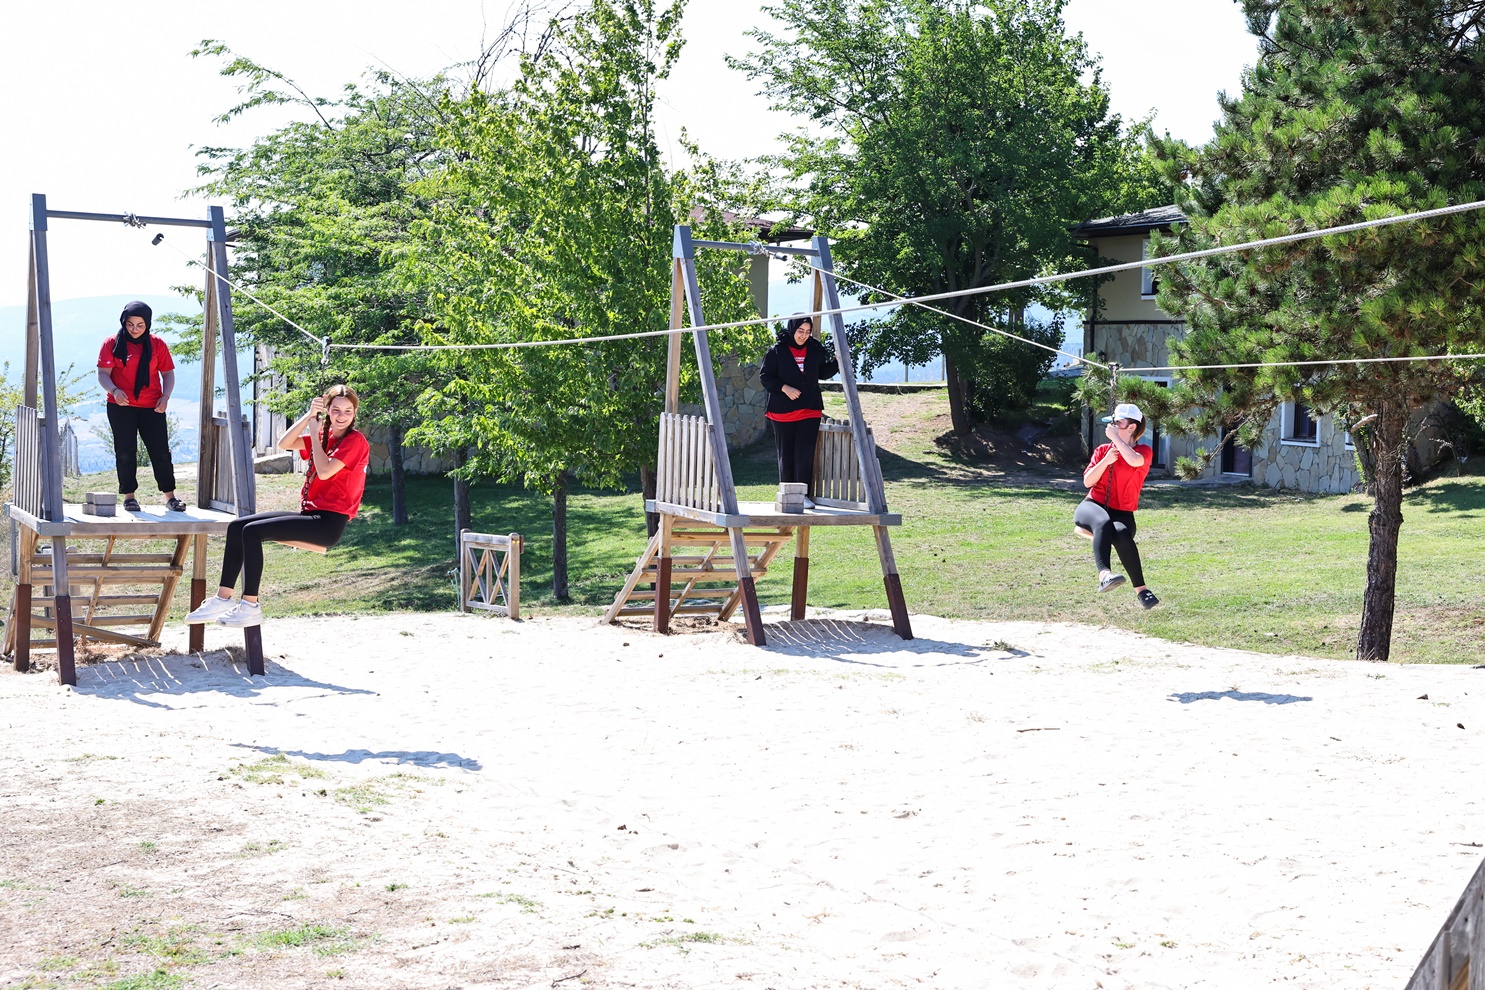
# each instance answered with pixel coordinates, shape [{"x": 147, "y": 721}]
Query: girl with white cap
[{"x": 1114, "y": 477}]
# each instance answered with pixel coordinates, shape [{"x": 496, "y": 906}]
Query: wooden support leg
[
  {"x": 752, "y": 616},
  {"x": 252, "y": 639},
  {"x": 22, "y": 627},
  {"x": 895, "y": 600},
  {"x": 662, "y": 576},
  {"x": 801, "y": 573},
  {"x": 62, "y": 602},
  {"x": 198, "y": 593}
]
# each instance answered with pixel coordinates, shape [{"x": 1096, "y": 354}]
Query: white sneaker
[
  {"x": 242, "y": 614},
  {"x": 210, "y": 611}
]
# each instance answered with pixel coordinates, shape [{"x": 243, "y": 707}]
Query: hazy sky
[{"x": 103, "y": 107}]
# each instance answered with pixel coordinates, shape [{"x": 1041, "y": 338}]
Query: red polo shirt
[
  {"x": 342, "y": 491},
  {"x": 122, "y": 372},
  {"x": 1119, "y": 488}
]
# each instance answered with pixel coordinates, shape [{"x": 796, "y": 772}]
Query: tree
[
  {"x": 958, "y": 142},
  {"x": 553, "y": 220},
  {"x": 322, "y": 207},
  {"x": 1354, "y": 111}
]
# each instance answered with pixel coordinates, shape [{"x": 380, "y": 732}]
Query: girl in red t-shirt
[
  {"x": 338, "y": 454},
  {"x": 1114, "y": 477},
  {"x": 138, "y": 374}
]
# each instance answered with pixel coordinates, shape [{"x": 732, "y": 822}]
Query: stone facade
[{"x": 743, "y": 399}]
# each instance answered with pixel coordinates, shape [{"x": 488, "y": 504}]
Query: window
[
  {"x": 1149, "y": 284},
  {"x": 1235, "y": 459},
  {"x": 1298, "y": 426}
]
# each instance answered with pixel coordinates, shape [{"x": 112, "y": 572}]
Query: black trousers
[
  {"x": 246, "y": 535},
  {"x": 129, "y": 425},
  {"x": 1111, "y": 528},
  {"x": 795, "y": 444}
]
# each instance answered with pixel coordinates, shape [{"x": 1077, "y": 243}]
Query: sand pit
[{"x": 430, "y": 801}]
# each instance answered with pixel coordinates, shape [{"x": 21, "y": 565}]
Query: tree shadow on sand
[
  {"x": 420, "y": 757},
  {"x": 852, "y": 641},
  {"x": 1187, "y": 697},
  {"x": 181, "y": 675}
]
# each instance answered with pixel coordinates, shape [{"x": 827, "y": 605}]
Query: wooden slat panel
[{"x": 97, "y": 620}]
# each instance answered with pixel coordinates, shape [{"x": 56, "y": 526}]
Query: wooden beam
[
  {"x": 243, "y": 495},
  {"x": 197, "y": 635}
]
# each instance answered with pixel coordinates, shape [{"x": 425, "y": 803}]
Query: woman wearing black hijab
[
  {"x": 137, "y": 372},
  {"x": 792, "y": 371}
]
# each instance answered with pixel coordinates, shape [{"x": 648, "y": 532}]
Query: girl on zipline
[
  {"x": 792, "y": 371},
  {"x": 137, "y": 372},
  {"x": 1114, "y": 477},
  {"x": 338, "y": 454}
]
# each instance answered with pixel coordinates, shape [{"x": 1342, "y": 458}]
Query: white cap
[{"x": 1126, "y": 410}]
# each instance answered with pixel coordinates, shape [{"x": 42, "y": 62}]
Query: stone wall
[{"x": 743, "y": 399}]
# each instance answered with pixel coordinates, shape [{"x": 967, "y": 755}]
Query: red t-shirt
[
  {"x": 122, "y": 372},
  {"x": 341, "y": 492},
  {"x": 1119, "y": 488}
]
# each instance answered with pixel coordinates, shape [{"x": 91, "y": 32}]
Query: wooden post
[
  {"x": 252, "y": 639},
  {"x": 513, "y": 576},
  {"x": 685, "y": 253},
  {"x": 242, "y": 463},
  {"x": 206, "y": 461},
  {"x": 21, "y": 619},
  {"x": 663, "y": 564},
  {"x": 51, "y": 455},
  {"x": 673, "y": 348},
  {"x": 801, "y": 573},
  {"x": 197, "y": 641},
  {"x": 33, "y": 330},
  {"x": 463, "y": 551}
]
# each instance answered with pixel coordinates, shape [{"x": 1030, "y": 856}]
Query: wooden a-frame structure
[
  {"x": 224, "y": 483},
  {"x": 697, "y": 500}
]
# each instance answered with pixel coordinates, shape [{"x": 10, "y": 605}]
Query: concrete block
[{"x": 278, "y": 462}]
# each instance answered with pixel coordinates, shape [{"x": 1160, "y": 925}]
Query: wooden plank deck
[
  {"x": 755, "y": 514},
  {"x": 150, "y": 522}
]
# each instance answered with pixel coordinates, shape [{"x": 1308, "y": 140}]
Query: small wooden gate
[
  {"x": 1456, "y": 959},
  {"x": 490, "y": 573}
]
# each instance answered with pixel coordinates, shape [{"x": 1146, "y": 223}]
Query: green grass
[
  {"x": 322, "y": 940},
  {"x": 1234, "y": 566},
  {"x": 275, "y": 769}
]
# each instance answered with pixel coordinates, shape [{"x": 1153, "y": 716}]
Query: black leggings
[
  {"x": 129, "y": 424},
  {"x": 795, "y": 444},
  {"x": 245, "y": 536},
  {"x": 1111, "y": 527}
]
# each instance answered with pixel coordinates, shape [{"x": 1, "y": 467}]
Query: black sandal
[
  {"x": 131, "y": 505},
  {"x": 175, "y": 505}
]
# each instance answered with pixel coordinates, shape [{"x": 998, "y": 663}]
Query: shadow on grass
[
  {"x": 1457, "y": 497},
  {"x": 850, "y": 642},
  {"x": 1188, "y": 697},
  {"x": 421, "y": 758}
]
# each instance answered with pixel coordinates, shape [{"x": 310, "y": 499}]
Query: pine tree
[{"x": 1355, "y": 110}]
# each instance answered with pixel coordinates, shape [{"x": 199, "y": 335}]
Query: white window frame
[
  {"x": 1286, "y": 429},
  {"x": 1148, "y": 281}
]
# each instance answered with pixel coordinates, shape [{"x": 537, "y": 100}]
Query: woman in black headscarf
[
  {"x": 792, "y": 371},
  {"x": 137, "y": 372}
]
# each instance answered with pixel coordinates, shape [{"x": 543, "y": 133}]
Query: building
[{"x": 1299, "y": 452}]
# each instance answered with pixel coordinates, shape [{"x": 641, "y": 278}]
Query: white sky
[{"x": 103, "y": 107}]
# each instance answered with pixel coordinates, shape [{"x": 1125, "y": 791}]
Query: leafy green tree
[
  {"x": 1354, "y": 111},
  {"x": 953, "y": 144},
  {"x": 553, "y": 219},
  {"x": 322, "y": 207}
]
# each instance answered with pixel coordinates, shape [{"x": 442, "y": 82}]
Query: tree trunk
[
  {"x": 647, "y": 482},
  {"x": 399, "y": 474},
  {"x": 559, "y": 536},
  {"x": 463, "y": 518},
  {"x": 1374, "y": 641},
  {"x": 958, "y": 407}
]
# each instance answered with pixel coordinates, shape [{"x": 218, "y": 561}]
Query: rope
[
  {"x": 160, "y": 239},
  {"x": 962, "y": 319}
]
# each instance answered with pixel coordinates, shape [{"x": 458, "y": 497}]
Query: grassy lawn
[{"x": 1234, "y": 566}]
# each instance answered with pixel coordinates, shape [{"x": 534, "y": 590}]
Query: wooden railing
[
  {"x": 1456, "y": 959},
  {"x": 686, "y": 473},
  {"x": 218, "y": 467},
  {"x": 26, "y": 478},
  {"x": 838, "y": 480},
  {"x": 490, "y": 573}
]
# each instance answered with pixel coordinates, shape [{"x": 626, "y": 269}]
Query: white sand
[{"x": 587, "y": 806}]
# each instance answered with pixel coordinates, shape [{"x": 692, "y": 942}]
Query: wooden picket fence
[
  {"x": 1456, "y": 959},
  {"x": 686, "y": 469}
]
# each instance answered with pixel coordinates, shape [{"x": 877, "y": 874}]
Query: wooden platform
[
  {"x": 119, "y": 588},
  {"x": 753, "y": 514}
]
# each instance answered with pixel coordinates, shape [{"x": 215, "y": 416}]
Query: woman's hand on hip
[{"x": 792, "y": 392}]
